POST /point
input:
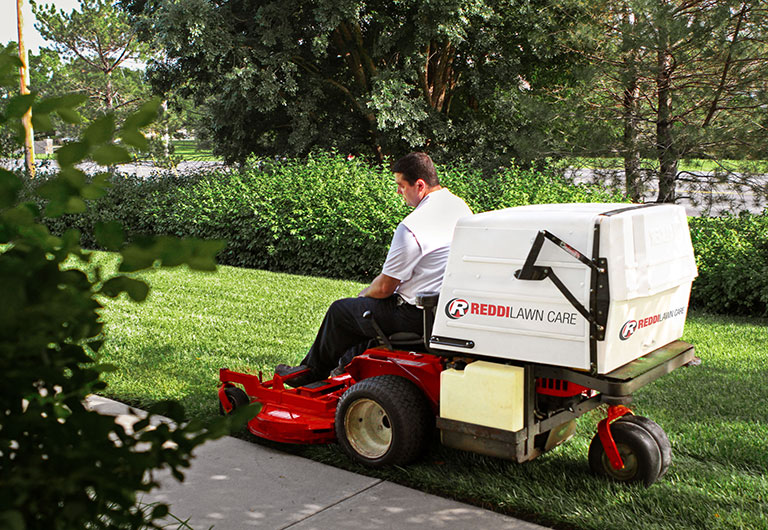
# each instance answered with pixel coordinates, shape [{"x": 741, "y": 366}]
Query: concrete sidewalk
[{"x": 234, "y": 484}]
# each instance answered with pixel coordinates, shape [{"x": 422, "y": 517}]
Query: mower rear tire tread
[
  {"x": 658, "y": 434},
  {"x": 638, "y": 449},
  {"x": 237, "y": 398},
  {"x": 383, "y": 420}
]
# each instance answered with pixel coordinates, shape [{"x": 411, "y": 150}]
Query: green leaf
[
  {"x": 110, "y": 235},
  {"x": 168, "y": 408},
  {"x": 75, "y": 205},
  {"x": 18, "y": 105},
  {"x": 9, "y": 62},
  {"x": 12, "y": 520},
  {"x": 203, "y": 253},
  {"x": 69, "y": 115},
  {"x": 9, "y": 188},
  {"x": 57, "y": 103},
  {"x": 22, "y": 215},
  {"x": 146, "y": 114},
  {"x": 55, "y": 209},
  {"x": 41, "y": 122},
  {"x": 136, "y": 289},
  {"x": 134, "y": 138},
  {"x": 56, "y": 190},
  {"x": 72, "y": 153},
  {"x": 70, "y": 240},
  {"x": 100, "y": 131},
  {"x": 90, "y": 192},
  {"x": 108, "y": 155},
  {"x": 137, "y": 257},
  {"x": 102, "y": 180},
  {"x": 73, "y": 176}
]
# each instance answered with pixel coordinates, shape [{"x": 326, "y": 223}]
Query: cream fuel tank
[{"x": 584, "y": 286}]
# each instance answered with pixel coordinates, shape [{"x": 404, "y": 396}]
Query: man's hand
[{"x": 382, "y": 286}]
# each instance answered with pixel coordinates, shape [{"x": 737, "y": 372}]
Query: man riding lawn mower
[{"x": 545, "y": 312}]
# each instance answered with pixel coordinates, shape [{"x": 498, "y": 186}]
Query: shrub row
[
  {"x": 732, "y": 257},
  {"x": 324, "y": 215},
  {"x": 330, "y": 216}
]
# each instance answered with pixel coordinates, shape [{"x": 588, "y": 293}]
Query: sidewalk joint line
[{"x": 345, "y": 499}]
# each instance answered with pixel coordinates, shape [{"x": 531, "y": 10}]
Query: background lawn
[
  {"x": 189, "y": 150},
  {"x": 194, "y": 323}
]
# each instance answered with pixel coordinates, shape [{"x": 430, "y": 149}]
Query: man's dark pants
[{"x": 344, "y": 328}]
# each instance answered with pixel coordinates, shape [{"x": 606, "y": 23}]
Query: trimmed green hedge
[
  {"x": 330, "y": 216},
  {"x": 732, "y": 257},
  {"x": 324, "y": 215}
]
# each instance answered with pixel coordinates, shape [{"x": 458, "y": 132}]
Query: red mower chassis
[
  {"x": 307, "y": 414},
  {"x": 385, "y": 392}
]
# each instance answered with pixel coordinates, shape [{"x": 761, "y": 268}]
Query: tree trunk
[
  {"x": 665, "y": 147},
  {"x": 109, "y": 96},
  {"x": 348, "y": 40},
  {"x": 438, "y": 78},
  {"x": 630, "y": 105},
  {"x": 632, "y": 175}
]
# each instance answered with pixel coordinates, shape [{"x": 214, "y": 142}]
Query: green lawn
[
  {"x": 189, "y": 150},
  {"x": 716, "y": 415}
]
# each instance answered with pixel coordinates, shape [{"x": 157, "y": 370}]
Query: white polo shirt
[{"x": 418, "y": 254}]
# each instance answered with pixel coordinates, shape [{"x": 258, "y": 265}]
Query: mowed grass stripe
[{"x": 716, "y": 414}]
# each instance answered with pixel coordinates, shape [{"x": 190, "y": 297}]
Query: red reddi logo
[
  {"x": 628, "y": 329},
  {"x": 456, "y": 308},
  {"x": 630, "y": 326}
]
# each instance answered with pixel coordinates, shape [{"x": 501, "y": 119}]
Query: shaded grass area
[
  {"x": 190, "y": 150},
  {"x": 715, "y": 415}
]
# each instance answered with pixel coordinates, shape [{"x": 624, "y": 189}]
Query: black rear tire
[
  {"x": 237, "y": 397},
  {"x": 383, "y": 420},
  {"x": 662, "y": 440},
  {"x": 638, "y": 449}
]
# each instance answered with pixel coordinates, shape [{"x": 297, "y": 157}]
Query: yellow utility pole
[{"x": 29, "y": 142}]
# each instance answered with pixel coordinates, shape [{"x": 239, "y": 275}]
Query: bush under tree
[
  {"x": 323, "y": 215},
  {"x": 63, "y": 465}
]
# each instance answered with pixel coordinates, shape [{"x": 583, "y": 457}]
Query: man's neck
[{"x": 428, "y": 191}]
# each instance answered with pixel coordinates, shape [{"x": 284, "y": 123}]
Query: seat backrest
[{"x": 427, "y": 302}]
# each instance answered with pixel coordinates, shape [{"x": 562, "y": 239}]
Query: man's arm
[
  {"x": 382, "y": 286},
  {"x": 403, "y": 254}
]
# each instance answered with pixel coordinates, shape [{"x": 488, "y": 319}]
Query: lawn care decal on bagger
[
  {"x": 459, "y": 307},
  {"x": 630, "y": 326},
  {"x": 456, "y": 308}
]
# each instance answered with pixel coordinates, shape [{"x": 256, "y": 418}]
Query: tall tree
[
  {"x": 98, "y": 43},
  {"x": 373, "y": 77},
  {"x": 684, "y": 78}
]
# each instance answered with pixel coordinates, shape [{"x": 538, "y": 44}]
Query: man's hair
[{"x": 415, "y": 166}]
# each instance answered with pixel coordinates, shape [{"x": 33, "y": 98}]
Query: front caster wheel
[
  {"x": 237, "y": 398},
  {"x": 658, "y": 434},
  {"x": 383, "y": 420},
  {"x": 638, "y": 449}
]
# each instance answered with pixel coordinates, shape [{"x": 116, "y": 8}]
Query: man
[{"x": 415, "y": 263}]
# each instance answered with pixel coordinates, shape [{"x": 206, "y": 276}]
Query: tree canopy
[
  {"x": 100, "y": 53},
  {"x": 372, "y": 77},
  {"x": 672, "y": 80}
]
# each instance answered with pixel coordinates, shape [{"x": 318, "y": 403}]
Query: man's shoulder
[
  {"x": 438, "y": 215},
  {"x": 445, "y": 198}
]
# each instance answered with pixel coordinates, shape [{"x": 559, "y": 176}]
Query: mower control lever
[{"x": 380, "y": 334}]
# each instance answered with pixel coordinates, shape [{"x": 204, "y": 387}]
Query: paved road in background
[
  {"x": 140, "y": 169},
  {"x": 726, "y": 199}
]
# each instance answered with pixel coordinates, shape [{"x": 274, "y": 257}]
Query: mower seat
[{"x": 427, "y": 302}]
